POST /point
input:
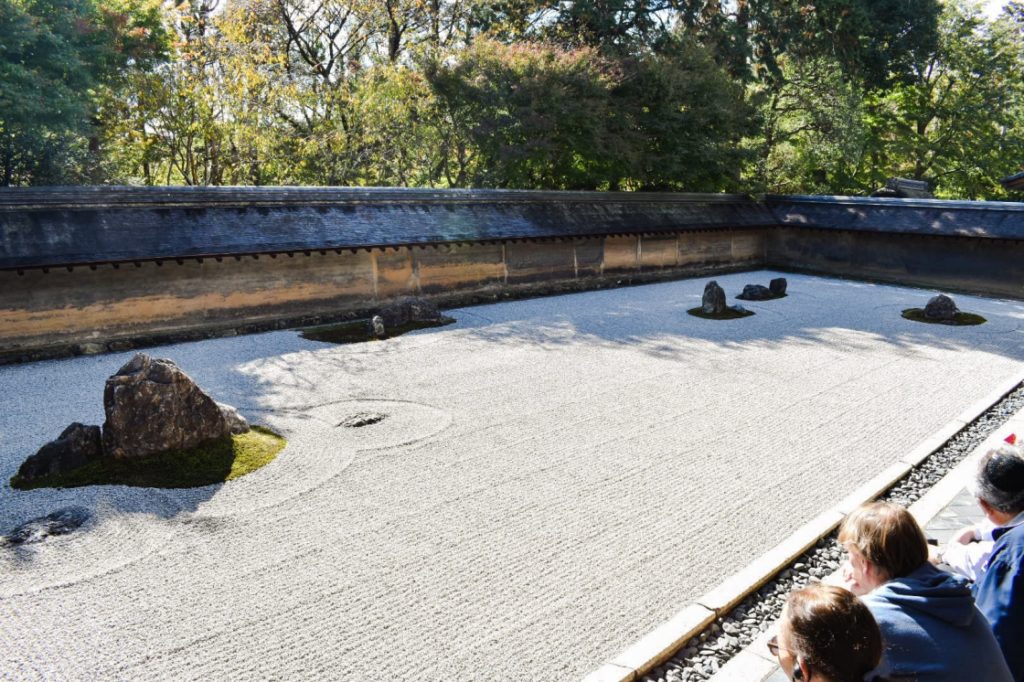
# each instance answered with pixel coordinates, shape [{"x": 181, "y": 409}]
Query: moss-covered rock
[
  {"x": 959, "y": 319},
  {"x": 214, "y": 461}
]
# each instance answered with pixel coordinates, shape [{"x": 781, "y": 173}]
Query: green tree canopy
[{"x": 54, "y": 57}]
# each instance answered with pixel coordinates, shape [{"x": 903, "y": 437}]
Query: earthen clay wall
[{"x": 53, "y": 311}]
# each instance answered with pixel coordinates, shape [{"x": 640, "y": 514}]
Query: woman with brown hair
[{"x": 826, "y": 634}]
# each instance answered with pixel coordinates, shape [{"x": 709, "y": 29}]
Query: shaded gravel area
[{"x": 705, "y": 654}]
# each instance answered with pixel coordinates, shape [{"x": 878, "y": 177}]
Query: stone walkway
[{"x": 555, "y": 478}]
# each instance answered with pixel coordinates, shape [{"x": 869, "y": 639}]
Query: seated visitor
[
  {"x": 826, "y": 635},
  {"x": 931, "y": 628},
  {"x": 999, "y": 487},
  {"x": 967, "y": 552}
]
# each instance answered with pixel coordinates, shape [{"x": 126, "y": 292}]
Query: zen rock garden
[
  {"x": 157, "y": 420},
  {"x": 566, "y": 424}
]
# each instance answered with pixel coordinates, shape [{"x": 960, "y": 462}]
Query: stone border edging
[{"x": 660, "y": 644}]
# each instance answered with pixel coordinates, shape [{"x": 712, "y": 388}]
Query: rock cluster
[
  {"x": 941, "y": 308},
  {"x": 757, "y": 292},
  {"x": 409, "y": 310},
  {"x": 403, "y": 312},
  {"x": 151, "y": 406}
]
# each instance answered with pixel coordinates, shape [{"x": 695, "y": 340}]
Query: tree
[
  {"x": 55, "y": 56},
  {"x": 812, "y": 137},
  {"x": 679, "y": 121},
  {"x": 957, "y": 121},
  {"x": 534, "y": 115},
  {"x": 526, "y": 116}
]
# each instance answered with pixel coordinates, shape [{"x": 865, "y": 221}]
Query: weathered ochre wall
[{"x": 45, "y": 313}]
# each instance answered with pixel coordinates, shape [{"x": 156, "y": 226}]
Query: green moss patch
[
  {"x": 960, "y": 320},
  {"x": 728, "y": 314},
  {"x": 211, "y": 462},
  {"x": 359, "y": 330}
]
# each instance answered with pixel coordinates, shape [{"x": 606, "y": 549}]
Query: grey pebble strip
[{"x": 704, "y": 654}]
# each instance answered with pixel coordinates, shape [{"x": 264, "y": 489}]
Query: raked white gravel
[{"x": 555, "y": 477}]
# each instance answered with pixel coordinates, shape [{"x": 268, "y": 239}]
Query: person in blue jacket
[
  {"x": 931, "y": 628},
  {"x": 999, "y": 591}
]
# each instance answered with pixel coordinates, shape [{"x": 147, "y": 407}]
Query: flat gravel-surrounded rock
[{"x": 553, "y": 479}]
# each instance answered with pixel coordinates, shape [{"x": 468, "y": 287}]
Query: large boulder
[
  {"x": 75, "y": 447},
  {"x": 409, "y": 310},
  {"x": 713, "y": 301},
  {"x": 756, "y": 292},
  {"x": 941, "y": 308},
  {"x": 778, "y": 286},
  {"x": 152, "y": 406}
]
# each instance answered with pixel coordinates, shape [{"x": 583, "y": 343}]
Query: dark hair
[
  {"x": 888, "y": 536},
  {"x": 833, "y": 632},
  {"x": 1000, "y": 479}
]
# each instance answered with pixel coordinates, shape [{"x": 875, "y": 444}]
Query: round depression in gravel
[{"x": 402, "y": 422}]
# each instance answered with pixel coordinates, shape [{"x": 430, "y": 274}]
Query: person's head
[
  {"x": 826, "y": 634},
  {"x": 884, "y": 542},
  {"x": 999, "y": 483}
]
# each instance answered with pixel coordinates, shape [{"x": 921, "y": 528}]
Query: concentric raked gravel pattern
[{"x": 554, "y": 478}]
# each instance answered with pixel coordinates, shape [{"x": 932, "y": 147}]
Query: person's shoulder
[
  {"x": 882, "y": 606},
  {"x": 1010, "y": 543}
]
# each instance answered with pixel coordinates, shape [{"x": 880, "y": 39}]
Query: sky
[{"x": 993, "y": 8}]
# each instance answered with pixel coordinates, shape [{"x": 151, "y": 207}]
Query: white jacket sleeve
[{"x": 967, "y": 560}]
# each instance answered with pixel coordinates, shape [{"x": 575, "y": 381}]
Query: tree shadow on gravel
[{"x": 845, "y": 315}]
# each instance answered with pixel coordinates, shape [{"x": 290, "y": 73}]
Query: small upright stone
[
  {"x": 713, "y": 301},
  {"x": 942, "y": 308},
  {"x": 237, "y": 424},
  {"x": 756, "y": 292},
  {"x": 377, "y": 329},
  {"x": 778, "y": 286}
]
